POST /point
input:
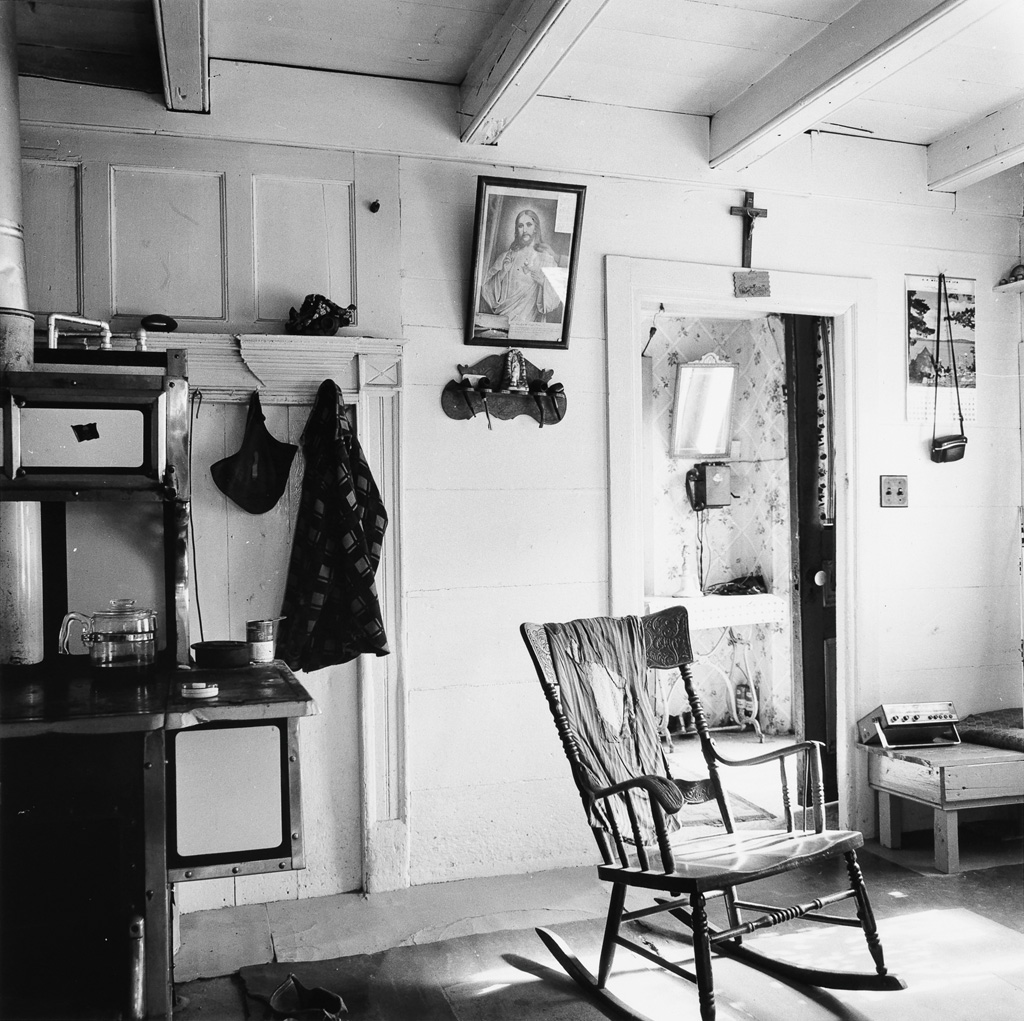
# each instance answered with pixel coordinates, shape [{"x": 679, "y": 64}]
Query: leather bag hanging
[
  {"x": 946, "y": 448},
  {"x": 255, "y": 477}
]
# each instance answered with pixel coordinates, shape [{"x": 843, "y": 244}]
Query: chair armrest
[
  {"x": 660, "y": 790},
  {"x": 664, "y": 798},
  {"x": 812, "y": 748}
]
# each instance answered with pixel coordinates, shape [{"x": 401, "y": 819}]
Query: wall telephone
[{"x": 708, "y": 484}]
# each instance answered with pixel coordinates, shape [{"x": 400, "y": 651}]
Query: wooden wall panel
[
  {"x": 52, "y": 239},
  {"x": 331, "y": 795},
  {"x": 222, "y": 236},
  {"x": 302, "y": 243},
  {"x": 208, "y": 610},
  {"x": 166, "y": 243},
  {"x": 258, "y": 545},
  {"x": 241, "y": 568}
]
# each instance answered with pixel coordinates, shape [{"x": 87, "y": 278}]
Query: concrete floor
[
  {"x": 219, "y": 942},
  {"x": 216, "y": 944}
]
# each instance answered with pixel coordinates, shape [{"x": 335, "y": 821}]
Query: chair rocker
[{"x": 596, "y": 675}]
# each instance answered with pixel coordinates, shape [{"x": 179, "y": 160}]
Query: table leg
[
  {"x": 947, "y": 841},
  {"x": 890, "y": 820}
]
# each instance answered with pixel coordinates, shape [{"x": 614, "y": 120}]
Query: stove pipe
[{"x": 21, "y": 579}]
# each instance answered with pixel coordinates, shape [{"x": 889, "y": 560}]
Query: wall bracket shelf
[
  {"x": 462, "y": 399},
  {"x": 1011, "y": 287}
]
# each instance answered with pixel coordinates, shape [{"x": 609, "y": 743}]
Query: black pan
[{"x": 221, "y": 655}]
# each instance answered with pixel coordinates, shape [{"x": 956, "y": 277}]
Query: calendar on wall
[{"x": 929, "y": 357}]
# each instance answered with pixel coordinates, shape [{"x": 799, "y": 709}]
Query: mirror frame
[{"x": 687, "y": 446}]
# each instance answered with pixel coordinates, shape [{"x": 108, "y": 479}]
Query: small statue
[
  {"x": 514, "y": 378},
  {"x": 690, "y": 587},
  {"x": 319, "y": 316}
]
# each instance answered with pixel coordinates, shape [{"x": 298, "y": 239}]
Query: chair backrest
[{"x": 595, "y": 675}]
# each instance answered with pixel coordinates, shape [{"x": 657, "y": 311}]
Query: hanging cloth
[
  {"x": 331, "y": 610},
  {"x": 946, "y": 448},
  {"x": 255, "y": 477},
  {"x": 606, "y": 694}
]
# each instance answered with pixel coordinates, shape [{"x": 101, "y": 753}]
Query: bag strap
[{"x": 943, "y": 296}]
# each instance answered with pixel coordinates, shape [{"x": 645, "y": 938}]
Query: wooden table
[{"x": 946, "y": 779}]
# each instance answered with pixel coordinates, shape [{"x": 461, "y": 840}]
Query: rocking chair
[{"x": 595, "y": 676}]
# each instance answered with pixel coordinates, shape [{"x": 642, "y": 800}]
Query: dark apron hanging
[
  {"x": 331, "y": 610},
  {"x": 255, "y": 478}
]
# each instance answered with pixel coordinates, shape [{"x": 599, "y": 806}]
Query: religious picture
[
  {"x": 931, "y": 359},
  {"x": 525, "y": 249}
]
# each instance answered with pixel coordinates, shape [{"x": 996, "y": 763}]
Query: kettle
[{"x": 122, "y": 637}]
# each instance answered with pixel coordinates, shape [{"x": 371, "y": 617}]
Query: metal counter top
[{"x": 70, "y": 698}]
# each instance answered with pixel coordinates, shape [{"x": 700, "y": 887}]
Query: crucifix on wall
[{"x": 750, "y": 213}]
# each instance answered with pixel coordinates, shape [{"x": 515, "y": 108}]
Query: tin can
[{"x": 262, "y": 638}]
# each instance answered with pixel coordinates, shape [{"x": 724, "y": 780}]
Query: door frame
[{"x": 638, "y": 288}]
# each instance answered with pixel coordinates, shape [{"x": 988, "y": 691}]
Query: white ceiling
[{"x": 947, "y": 75}]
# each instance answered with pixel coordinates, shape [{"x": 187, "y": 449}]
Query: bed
[{"x": 998, "y": 728}]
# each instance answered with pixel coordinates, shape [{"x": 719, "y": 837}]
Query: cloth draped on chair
[
  {"x": 609, "y": 702},
  {"x": 331, "y": 610}
]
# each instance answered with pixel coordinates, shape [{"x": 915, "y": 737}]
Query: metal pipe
[
  {"x": 21, "y": 583},
  {"x": 21, "y": 572},
  {"x": 16, "y": 322},
  {"x": 53, "y": 334},
  {"x": 137, "y": 968}
]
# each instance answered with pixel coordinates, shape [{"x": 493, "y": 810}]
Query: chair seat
[{"x": 730, "y": 859}]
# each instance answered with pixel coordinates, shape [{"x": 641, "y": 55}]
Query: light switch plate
[{"x": 893, "y": 491}]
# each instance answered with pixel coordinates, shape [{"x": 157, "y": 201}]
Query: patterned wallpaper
[{"x": 752, "y": 536}]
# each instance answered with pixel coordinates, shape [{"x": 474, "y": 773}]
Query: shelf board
[
  {"x": 1015, "y": 286},
  {"x": 724, "y": 611}
]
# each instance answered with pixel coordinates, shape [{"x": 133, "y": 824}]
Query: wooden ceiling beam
[
  {"x": 866, "y": 45},
  {"x": 182, "y": 29},
  {"x": 978, "y": 151},
  {"x": 524, "y": 48}
]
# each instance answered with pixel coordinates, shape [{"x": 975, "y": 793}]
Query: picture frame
[{"x": 526, "y": 240}]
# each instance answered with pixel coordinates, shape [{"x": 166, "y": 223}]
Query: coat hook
[{"x": 374, "y": 206}]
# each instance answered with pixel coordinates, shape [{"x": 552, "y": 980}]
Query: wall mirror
[{"x": 703, "y": 409}]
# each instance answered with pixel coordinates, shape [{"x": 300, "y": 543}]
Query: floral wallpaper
[{"x": 750, "y": 537}]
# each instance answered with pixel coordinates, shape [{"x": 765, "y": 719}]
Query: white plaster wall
[
  {"x": 512, "y": 524},
  {"x": 940, "y": 598}
]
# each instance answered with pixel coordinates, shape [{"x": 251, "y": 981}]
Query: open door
[{"x": 809, "y": 345}]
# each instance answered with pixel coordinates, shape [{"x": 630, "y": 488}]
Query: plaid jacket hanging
[{"x": 331, "y": 609}]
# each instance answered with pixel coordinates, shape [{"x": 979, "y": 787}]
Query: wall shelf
[
  {"x": 1015, "y": 286},
  {"x": 286, "y": 368},
  {"x": 723, "y": 611},
  {"x": 461, "y": 400}
]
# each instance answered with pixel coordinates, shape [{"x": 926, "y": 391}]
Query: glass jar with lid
[{"x": 121, "y": 637}]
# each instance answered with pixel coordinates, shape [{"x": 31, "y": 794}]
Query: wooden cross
[{"x": 751, "y": 213}]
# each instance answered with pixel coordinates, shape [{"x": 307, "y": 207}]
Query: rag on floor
[{"x": 331, "y": 610}]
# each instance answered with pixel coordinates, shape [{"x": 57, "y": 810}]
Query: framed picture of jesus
[{"x": 526, "y": 243}]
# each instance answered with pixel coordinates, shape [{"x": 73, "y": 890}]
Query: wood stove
[{"x": 101, "y": 771}]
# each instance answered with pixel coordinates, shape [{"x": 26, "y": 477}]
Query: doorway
[
  {"x": 637, "y": 289},
  {"x": 810, "y": 389}
]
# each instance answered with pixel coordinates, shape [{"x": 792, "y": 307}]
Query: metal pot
[{"x": 120, "y": 638}]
